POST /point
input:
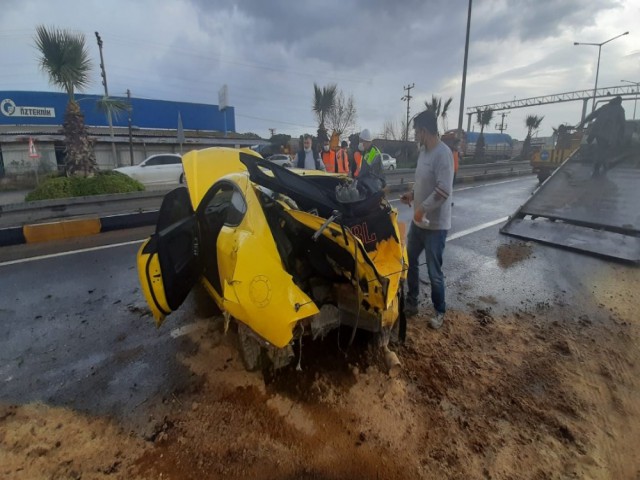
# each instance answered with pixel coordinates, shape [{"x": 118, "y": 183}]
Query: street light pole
[
  {"x": 106, "y": 94},
  {"x": 599, "y": 45},
  {"x": 464, "y": 75},
  {"x": 637, "y": 84}
]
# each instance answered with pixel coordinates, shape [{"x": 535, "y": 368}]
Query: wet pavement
[{"x": 75, "y": 331}]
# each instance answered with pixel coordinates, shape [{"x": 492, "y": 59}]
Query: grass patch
[{"x": 102, "y": 183}]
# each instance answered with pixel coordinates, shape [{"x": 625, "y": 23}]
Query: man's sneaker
[
  {"x": 436, "y": 321},
  {"x": 410, "y": 310}
]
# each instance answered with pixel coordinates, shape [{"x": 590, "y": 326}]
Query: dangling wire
[{"x": 299, "y": 366}]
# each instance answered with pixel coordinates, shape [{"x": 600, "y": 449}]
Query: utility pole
[
  {"x": 106, "y": 94},
  {"x": 130, "y": 136},
  {"x": 273, "y": 131},
  {"x": 407, "y": 98},
  {"x": 464, "y": 72},
  {"x": 502, "y": 127}
]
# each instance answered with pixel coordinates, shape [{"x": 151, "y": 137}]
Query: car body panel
[
  {"x": 254, "y": 288},
  {"x": 381, "y": 276},
  {"x": 202, "y": 168},
  {"x": 245, "y": 229}
]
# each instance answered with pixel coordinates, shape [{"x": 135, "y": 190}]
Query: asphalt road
[{"x": 74, "y": 332}]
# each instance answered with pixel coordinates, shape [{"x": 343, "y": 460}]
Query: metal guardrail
[
  {"x": 140, "y": 202},
  {"x": 406, "y": 174},
  {"x": 38, "y": 211}
]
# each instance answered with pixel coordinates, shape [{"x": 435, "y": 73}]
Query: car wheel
[
  {"x": 287, "y": 165},
  {"x": 391, "y": 167},
  {"x": 181, "y": 179}
]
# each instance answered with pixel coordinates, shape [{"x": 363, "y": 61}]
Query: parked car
[
  {"x": 388, "y": 162},
  {"x": 165, "y": 168},
  {"x": 281, "y": 159},
  {"x": 282, "y": 254}
]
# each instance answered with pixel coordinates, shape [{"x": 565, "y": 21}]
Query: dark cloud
[
  {"x": 529, "y": 20},
  {"x": 271, "y": 52},
  {"x": 351, "y": 34}
]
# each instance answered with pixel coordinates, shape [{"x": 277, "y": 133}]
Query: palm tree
[
  {"x": 440, "y": 109},
  {"x": 65, "y": 59},
  {"x": 484, "y": 118},
  {"x": 533, "y": 123},
  {"x": 324, "y": 102},
  {"x": 112, "y": 106}
]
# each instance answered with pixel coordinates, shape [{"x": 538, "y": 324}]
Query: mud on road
[{"x": 543, "y": 392}]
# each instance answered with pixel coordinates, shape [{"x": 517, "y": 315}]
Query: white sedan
[
  {"x": 388, "y": 162},
  {"x": 165, "y": 168},
  {"x": 281, "y": 159}
]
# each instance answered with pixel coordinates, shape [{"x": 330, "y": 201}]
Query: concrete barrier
[
  {"x": 143, "y": 208},
  {"x": 64, "y": 229}
]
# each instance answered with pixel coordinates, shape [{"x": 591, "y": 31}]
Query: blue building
[
  {"x": 36, "y": 118},
  {"x": 48, "y": 108}
]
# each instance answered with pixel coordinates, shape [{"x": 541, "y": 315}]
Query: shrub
[{"x": 102, "y": 183}]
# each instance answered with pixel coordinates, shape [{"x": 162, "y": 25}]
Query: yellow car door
[
  {"x": 168, "y": 262},
  {"x": 248, "y": 277}
]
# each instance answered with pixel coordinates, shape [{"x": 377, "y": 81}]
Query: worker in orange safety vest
[
  {"x": 357, "y": 163},
  {"x": 342, "y": 158},
  {"x": 328, "y": 157}
]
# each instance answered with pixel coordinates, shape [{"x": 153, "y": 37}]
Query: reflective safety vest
[
  {"x": 342, "y": 158},
  {"x": 456, "y": 160},
  {"x": 329, "y": 159},
  {"x": 371, "y": 154},
  {"x": 357, "y": 156}
]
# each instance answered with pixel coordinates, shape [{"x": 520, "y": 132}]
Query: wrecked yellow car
[{"x": 283, "y": 252}]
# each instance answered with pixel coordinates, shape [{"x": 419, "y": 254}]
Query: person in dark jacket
[
  {"x": 307, "y": 158},
  {"x": 607, "y": 130}
]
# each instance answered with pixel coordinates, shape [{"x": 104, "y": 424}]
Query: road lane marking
[
  {"x": 477, "y": 228},
  {"x": 71, "y": 252},
  {"x": 477, "y": 186}
]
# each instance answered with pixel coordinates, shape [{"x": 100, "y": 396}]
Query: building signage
[{"x": 10, "y": 109}]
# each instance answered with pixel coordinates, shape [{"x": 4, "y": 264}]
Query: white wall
[{"x": 16, "y": 158}]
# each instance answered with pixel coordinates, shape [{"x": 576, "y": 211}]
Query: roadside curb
[{"x": 72, "y": 228}]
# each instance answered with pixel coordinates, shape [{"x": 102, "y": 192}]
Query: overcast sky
[{"x": 270, "y": 53}]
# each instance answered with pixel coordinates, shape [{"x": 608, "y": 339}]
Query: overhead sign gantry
[{"x": 584, "y": 95}]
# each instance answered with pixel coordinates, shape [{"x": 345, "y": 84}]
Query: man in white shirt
[{"x": 432, "y": 215}]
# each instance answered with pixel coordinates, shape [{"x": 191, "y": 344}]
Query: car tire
[
  {"x": 181, "y": 179},
  {"x": 391, "y": 167},
  {"x": 287, "y": 165}
]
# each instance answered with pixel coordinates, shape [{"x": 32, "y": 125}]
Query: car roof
[{"x": 164, "y": 155}]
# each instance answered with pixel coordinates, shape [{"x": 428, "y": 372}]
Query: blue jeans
[{"x": 432, "y": 242}]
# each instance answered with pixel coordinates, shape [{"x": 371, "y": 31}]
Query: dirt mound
[
  {"x": 38, "y": 441},
  {"x": 552, "y": 395}
]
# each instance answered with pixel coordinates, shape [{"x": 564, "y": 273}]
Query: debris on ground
[
  {"x": 509, "y": 254},
  {"x": 493, "y": 394}
]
